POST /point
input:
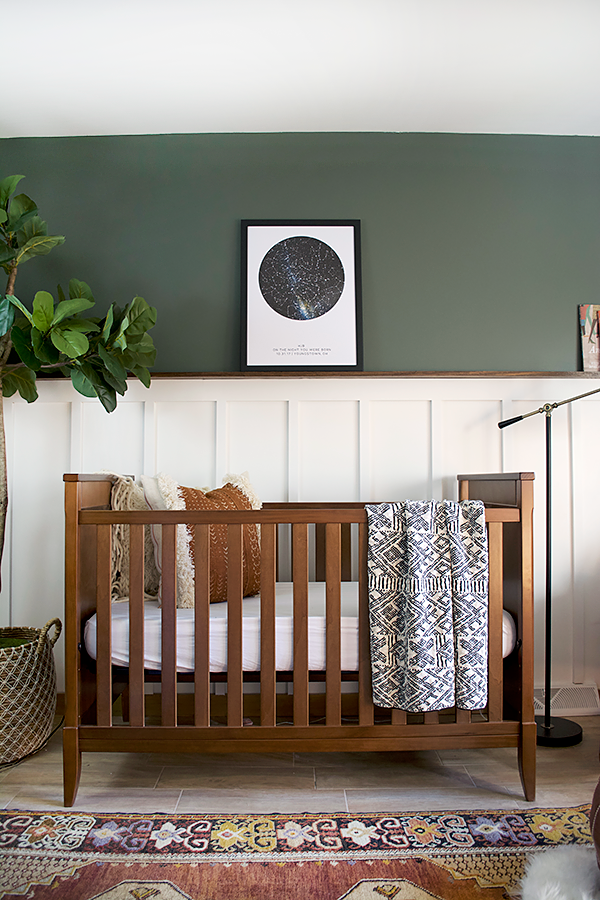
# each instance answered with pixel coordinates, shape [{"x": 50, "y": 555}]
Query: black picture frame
[{"x": 301, "y": 295}]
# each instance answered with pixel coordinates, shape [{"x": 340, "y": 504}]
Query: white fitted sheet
[{"x": 284, "y": 656}]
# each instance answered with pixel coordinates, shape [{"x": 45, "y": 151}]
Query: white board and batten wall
[{"x": 326, "y": 438}]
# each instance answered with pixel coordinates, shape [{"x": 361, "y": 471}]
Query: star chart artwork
[{"x": 301, "y": 298}]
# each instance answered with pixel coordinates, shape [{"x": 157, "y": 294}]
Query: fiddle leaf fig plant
[{"x": 58, "y": 334}]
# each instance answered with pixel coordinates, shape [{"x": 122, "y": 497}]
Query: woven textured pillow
[
  {"x": 165, "y": 493},
  {"x": 126, "y": 494}
]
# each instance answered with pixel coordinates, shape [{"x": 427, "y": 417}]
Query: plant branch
[
  {"x": 10, "y": 287},
  {"x": 59, "y": 365},
  {"x": 5, "y": 348}
]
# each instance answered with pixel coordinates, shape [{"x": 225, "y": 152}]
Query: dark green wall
[{"x": 476, "y": 249}]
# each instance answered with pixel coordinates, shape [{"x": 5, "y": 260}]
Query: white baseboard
[{"x": 569, "y": 700}]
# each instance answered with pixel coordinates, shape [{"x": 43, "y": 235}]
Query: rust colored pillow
[
  {"x": 227, "y": 497},
  {"x": 163, "y": 492}
]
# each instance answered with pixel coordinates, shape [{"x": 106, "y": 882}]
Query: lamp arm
[{"x": 546, "y": 408}]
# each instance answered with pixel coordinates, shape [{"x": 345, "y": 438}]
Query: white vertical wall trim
[
  {"x": 435, "y": 455},
  {"x": 221, "y": 440},
  {"x": 293, "y": 441},
  {"x": 149, "y": 417},
  {"x": 505, "y": 413},
  {"x": 76, "y": 435},
  {"x": 365, "y": 480}
]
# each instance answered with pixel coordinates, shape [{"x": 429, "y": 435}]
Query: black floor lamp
[{"x": 551, "y": 731}]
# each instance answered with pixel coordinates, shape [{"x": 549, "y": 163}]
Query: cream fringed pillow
[
  {"x": 126, "y": 494},
  {"x": 163, "y": 492}
]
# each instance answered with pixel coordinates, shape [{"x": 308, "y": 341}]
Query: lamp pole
[{"x": 551, "y": 730}]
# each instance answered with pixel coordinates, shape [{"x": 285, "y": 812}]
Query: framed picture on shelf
[
  {"x": 301, "y": 295},
  {"x": 588, "y": 330}
]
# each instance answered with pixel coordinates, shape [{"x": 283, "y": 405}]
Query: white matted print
[{"x": 301, "y": 295}]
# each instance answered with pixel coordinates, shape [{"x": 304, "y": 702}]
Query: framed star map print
[{"x": 301, "y": 295}]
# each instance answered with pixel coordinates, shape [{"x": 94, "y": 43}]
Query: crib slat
[
  {"x": 333, "y": 677},
  {"x": 268, "y": 686},
  {"x": 278, "y": 541},
  {"x": 202, "y": 625},
  {"x": 495, "y": 688},
  {"x": 366, "y": 710},
  {"x": 235, "y": 583},
  {"x": 346, "y": 550},
  {"x": 136, "y": 625},
  {"x": 320, "y": 572},
  {"x": 398, "y": 717},
  {"x": 168, "y": 678},
  {"x": 104, "y": 628},
  {"x": 300, "y": 579}
]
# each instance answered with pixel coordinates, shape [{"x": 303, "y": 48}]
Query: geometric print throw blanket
[{"x": 428, "y": 604}]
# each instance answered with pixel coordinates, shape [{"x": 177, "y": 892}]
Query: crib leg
[
  {"x": 71, "y": 764},
  {"x": 527, "y": 745}
]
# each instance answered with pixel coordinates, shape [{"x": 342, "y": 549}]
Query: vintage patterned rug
[{"x": 413, "y": 856}]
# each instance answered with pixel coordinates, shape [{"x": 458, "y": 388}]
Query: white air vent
[{"x": 569, "y": 700}]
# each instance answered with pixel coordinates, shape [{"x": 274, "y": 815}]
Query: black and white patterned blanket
[{"x": 428, "y": 604}]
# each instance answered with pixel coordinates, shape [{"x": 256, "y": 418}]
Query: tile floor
[{"x": 305, "y": 782}]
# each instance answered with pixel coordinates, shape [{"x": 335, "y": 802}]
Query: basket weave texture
[{"x": 27, "y": 690}]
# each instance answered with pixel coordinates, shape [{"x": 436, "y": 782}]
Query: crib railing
[{"x": 333, "y": 521}]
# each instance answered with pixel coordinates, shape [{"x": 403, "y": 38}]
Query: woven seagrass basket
[{"x": 27, "y": 690}]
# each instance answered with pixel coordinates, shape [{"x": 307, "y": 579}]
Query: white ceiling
[{"x": 165, "y": 66}]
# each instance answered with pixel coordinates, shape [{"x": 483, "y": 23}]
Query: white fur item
[{"x": 562, "y": 873}]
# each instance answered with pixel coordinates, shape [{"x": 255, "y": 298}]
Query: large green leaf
[
  {"x": 106, "y": 394},
  {"x": 7, "y": 315},
  {"x": 107, "y": 397},
  {"x": 108, "y": 323},
  {"x": 143, "y": 353},
  {"x": 21, "y": 380},
  {"x": 80, "y": 289},
  {"x": 20, "y": 210},
  {"x": 71, "y": 307},
  {"x": 22, "y": 344},
  {"x": 32, "y": 228},
  {"x": 44, "y": 348},
  {"x": 43, "y": 311},
  {"x": 118, "y": 339},
  {"x": 116, "y": 384},
  {"x": 141, "y": 317},
  {"x": 20, "y": 307},
  {"x": 7, "y": 186},
  {"x": 71, "y": 343},
  {"x": 39, "y": 245},
  {"x": 81, "y": 383},
  {"x": 87, "y": 326},
  {"x": 113, "y": 372},
  {"x": 112, "y": 363},
  {"x": 3, "y": 216},
  {"x": 143, "y": 374}
]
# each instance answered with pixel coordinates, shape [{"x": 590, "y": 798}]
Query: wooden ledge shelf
[{"x": 321, "y": 374}]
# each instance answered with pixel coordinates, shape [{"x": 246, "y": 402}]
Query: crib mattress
[{"x": 284, "y": 655}]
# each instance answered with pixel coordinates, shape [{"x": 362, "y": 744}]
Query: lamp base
[{"x": 560, "y": 733}]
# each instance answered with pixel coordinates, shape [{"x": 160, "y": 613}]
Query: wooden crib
[{"x": 108, "y": 707}]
